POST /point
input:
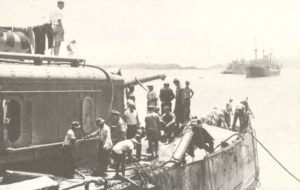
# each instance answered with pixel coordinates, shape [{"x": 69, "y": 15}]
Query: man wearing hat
[
  {"x": 152, "y": 122},
  {"x": 118, "y": 127},
  {"x": 68, "y": 150},
  {"x": 57, "y": 26},
  {"x": 151, "y": 97},
  {"x": 201, "y": 138},
  {"x": 166, "y": 96},
  {"x": 105, "y": 144},
  {"x": 123, "y": 148}
]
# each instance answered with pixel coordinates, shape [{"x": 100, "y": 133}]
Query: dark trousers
[
  {"x": 131, "y": 131},
  {"x": 102, "y": 159},
  {"x": 187, "y": 109},
  {"x": 68, "y": 162},
  {"x": 239, "y": 114},
  {"x": 153, "y": 138},
  {"x": 227, "y": 118},
  {"x": 119, "y": 159}
]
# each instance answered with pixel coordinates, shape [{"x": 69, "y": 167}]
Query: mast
[
  {"x": 270, "y": 56},
  {"x": 255, "y": 50}
]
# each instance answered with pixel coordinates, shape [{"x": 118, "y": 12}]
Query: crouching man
[
  {"x": 201, "y": 139},
  {"x": 121, "y": 150},
  {"x": 168, "y": 123}
]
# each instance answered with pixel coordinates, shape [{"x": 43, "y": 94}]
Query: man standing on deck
[
  {"x": 152, "y": 123},
  {"x": 239, "y": 113},
  {"x": 68, "y": 150},
  {"x": 166, "y": 96},
  {"x": 151, "y": 97},
  {"x": 105, "y": 144},
  {"x": 132, "y": 120},
  {"x": 188, "y": 93},
  {"x": 228, "y": 112},
  {"x": 179, "y": 103},
  {"x": 133, "y": 124},
  {"x": 118, "y": 127},
  {"x": 57, "y": 27}
]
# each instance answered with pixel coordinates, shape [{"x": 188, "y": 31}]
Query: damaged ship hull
[{"x": 234, "y": 167}]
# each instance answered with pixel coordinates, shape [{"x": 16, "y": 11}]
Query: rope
[{"x": 274, "y": 158}]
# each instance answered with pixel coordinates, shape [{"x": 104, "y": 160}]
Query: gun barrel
[{"x": 136, "y": 81}]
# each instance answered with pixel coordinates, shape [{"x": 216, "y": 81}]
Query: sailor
[
  {"x": 188, "y": 93},
  {"x": 179, "y": 103},
  {"x": 168, "y": 123},
  {"x": 68, "y": 151},
  {"x": 118, "y": 127},
  {"x": 152, "y": 127},
  {"x": 121, "y": 149},
  {"x": 105, "y": 144},
  {"x": 218, "y": 116},
  {"x": 228, "y": 112},
  {"x": 201, "y": 138},
  {"x": 132, "y": 120},
  {"x": 151, "y": 97},
  {"x": 239, "y": 114},
  {"x": 57, "y": 26},
  {"x": 166, "y": 96}
]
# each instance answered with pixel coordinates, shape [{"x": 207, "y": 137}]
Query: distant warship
[{"x": 262, "y": 68}]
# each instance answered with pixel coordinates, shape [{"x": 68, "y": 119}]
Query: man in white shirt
[
  {"x": 132, "y": 120},
  {"x": 56, "y": 22},
  {"x": 105, "y": 144},
  {"x": 68, "y": 151},
  {"x": 118, "y": 127},
  {"x": 121, "y": 149}
]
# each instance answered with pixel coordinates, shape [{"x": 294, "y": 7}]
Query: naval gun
[{"x": 42, "y": 95}]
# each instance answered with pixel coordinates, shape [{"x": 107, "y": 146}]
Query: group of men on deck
[
  {"x": 182, "y": 98},
  {"x": 123, "y": 133},
  {"x": 222, "y": 117}
]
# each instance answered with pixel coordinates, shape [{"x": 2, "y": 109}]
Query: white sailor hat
[
  {"x": 115, "y": 112},
  {"x": 99, "y": 120},
  {"x": 75, "y": 124}
]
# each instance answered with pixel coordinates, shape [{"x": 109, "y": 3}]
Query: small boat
[{"x": 235, "y": 67}]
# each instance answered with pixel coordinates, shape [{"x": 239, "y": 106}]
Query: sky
[{"x": 185, "y": 32}]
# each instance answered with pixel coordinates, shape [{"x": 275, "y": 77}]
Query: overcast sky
[{"x": 187, "y": 32}]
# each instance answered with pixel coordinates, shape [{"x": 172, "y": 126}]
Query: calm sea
[{"x": 275, "y": 102}]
